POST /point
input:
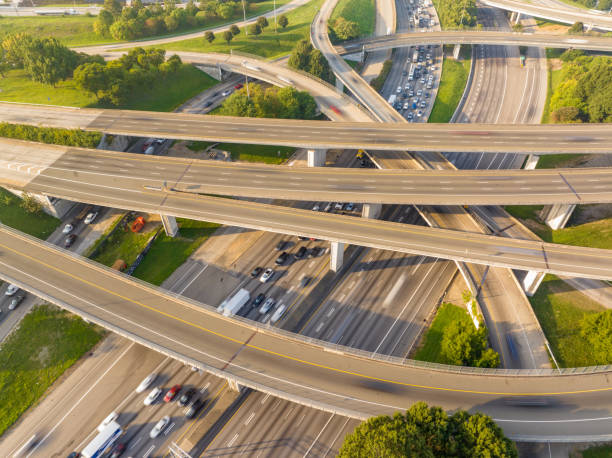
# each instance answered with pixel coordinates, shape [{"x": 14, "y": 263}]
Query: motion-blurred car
[
  {"x": 159, "y": 427},
  {"x": 152, "y": 396},
  {"x": 16, "y": 300},
  {"x": 172, "y": 392},
  {"x": 146, "y": 383}
]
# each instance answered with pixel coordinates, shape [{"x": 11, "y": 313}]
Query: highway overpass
[
  {"x": 406, "y": 186},
  {"x": 576, "y": 405},
  {"x": 472, "y": 37},
  {"x": 475, "y": 138}
]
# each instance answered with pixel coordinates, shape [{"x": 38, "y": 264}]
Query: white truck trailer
[
  {"x": 231, "y": 305},
  {"x": 104, "y": 440}
]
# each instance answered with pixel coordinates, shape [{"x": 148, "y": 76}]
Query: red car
[
  {"x": 238, "y": 86},
  {"x": 335, "y": 109},
  {"x": 170, "y": 395}
]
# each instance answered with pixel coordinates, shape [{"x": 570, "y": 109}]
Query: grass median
[
  {"x": 267, "y": 154},
  {"x": 47, "y": 342},
  {"x": 452, "y": 84},
  {"x": 361, "y": 12},
  {"x": 38, "y": 225}
]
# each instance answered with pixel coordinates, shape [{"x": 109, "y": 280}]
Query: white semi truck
[
  {"x": 103, "y": 441},
  {"x": 231, "y": 305}
]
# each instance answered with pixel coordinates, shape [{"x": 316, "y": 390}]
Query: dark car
[
  {"x": 195, "y": 407},
  {"x": 69, "y": 240},
  {"x": 282, "y": 258},
  {"x": 300, "y": 253},
  {"x": 281, "y": 245},
  {"x": 118, "y": 450},
  {"x": 259, "y": 299},
  {"x": 304, "y": 281},
  {"x": 207, "y": 104},
  {"x": 172, "y": 392},
  {"x": 301, "y": 237},
  {"x": 256, "y": 272},
  {"x": 186, "y": 397}
]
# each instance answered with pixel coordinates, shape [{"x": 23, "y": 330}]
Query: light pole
[
  {"x": 246, "y": 31},
  {"x": 275, "y": 31}
]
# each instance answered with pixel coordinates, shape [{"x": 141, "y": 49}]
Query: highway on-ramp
[
  {"x": 293, "y": 367},
  {"x": 475, "y": 138}
]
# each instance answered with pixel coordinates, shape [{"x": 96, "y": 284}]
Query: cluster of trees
[
  {"x": 428, "y": 432},
  {"x": 30, "y": 203},
  {"x": 464, "y": 345},
  {"x": 341, "y": 29},
  {"x": 596, "y": 329},
  {"x": 137, "y": 20},
  {"x": 112, "y": 82},
  {"x": 456, "y": 14},
  {"x": 305, "y": 57},
  {"x": 603, "y": 5},
  {"x": 585, "y": 93},
  {"x": 273, "y": 102},
  {"x": 44, "y": 60},
  {"x": 68, "y": 137}
]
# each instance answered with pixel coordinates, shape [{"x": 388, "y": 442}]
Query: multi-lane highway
[
  {"x": 468, "y": 37},
  {"x": 475, "y": 138},
  {"x": 307, "y": 371},
  {"x": 402, "y": 186}
]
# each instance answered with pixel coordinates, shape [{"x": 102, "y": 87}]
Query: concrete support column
[
  {"x": 456, "y": 51},
  {"x": 336, "y": 256},
  {"x": 371, "y": 211},
  {"x": 532, "y": 281},
  {"x": 316, "y": 157},
  {"x": 531, "y": 162},
  {"x": 517, "y": 19},
  {"x": 233, "y": 385},
  {"x": 558, "y": 215},
  {"x": 170, "y": 225},
  {"x": 339, "y": 85}
]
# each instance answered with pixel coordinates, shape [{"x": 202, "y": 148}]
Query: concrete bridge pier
[
  {"x": 170, "y": 226},
  {"x": 456, "y": 51},
  {"x": 233, "y": 385},
  {"x": 531, "y": 282},
  {"x": 531, "y": 162},
  {"x": 316, "y": 157},
  {"x": 336, "y": 256},
  {"x": 557, "y": 215},
  {"x": 371, "y": 211},
  {"x": 515, "y": 17}
]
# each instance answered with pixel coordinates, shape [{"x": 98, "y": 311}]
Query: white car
[
  {"x": 226, "y": 93},
  {"x": 67, "y": 229},
  {"x": 338, "y": 206},
  {"x": 152, "y": 396},
  {"x": 265, "y": 308},
  {"x": 146, "y": 383},
  {"x": 12, "y": 289},
  {"x": 420, "y": 113},
  {"x": 159, "y": 427},
  {"x": 316, "y": 208},
  {"x": 399, "y": 89},
  {"x": 90, "y": 217},
  {"x": 266, "y": 276}
]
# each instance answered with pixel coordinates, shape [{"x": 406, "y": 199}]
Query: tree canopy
[
  {"x": 305, "y": 57},
  {"x": 464, "y": 345},
  {"x": 428, "y": 432},
  {"x": 345, "y": 30},
  {"x": 456, "y": 14},
  {"x": 596, "y": 329}
]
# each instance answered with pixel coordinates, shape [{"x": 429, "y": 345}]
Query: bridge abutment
[
  {"x": 316, "y": 157},
  {"x": 336, "y": 258},
  {"x": 371, "y": 211},
  {"x": 556, "y": 216},
  {"x": 531, "y": 162},
  {"x": 170, "y": 225}
]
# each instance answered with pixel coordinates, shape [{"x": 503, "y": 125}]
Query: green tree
[
  {"x": 319, "y": 67},
  {"x": 226, "y": 10},
  {"x": 92, "y": 77},
  {"x": 30, "y": 204},
  {"x": 283, "y": 21},
  {"x": 234, "y": 29},
  {"x": 346, "y": 30},
  {"x": 113, "y": 6},
  {"x": 596, "y": 329},
  {"x": 262, "y": 22},
  {"x": 172, "y": 23},
  {"x": 103, "y": 23},
  {"x": 121, "y": 30},
  {"x": 209, "y": 36},
  {"x": 300, "y": 55},
  {"x": 566, "y": 115},
  {"x": 15, "y": 47},
  {"x": 228, "y": 36},
  {"x": 464, "y": 345},
  {"x": 5, "y": 66},
  {"x": 576, "y": 28},
  {"x": 191, "y": 9},
  {"x": 48, "y": 61},
  {"x": 254, "y": 29},
  {"x": 428, "y": 432}
]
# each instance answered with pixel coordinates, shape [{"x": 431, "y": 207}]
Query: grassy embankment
[
  {"x": 431, "y": 347},
  {"x": 38, "y": 225},
  {"x": 269, "y": 44},
  {"x": 361, "y": 12},
  {"x": 249, "y": 153},
  {"x": 452, "y": 84},
  {"x": 47, "y": 342},
  {"x": 78, "y": 30}
]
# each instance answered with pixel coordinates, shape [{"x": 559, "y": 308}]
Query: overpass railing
[{"x": 324, "y": 346}]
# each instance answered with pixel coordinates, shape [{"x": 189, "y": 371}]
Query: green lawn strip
[
  {"x": 163, "y": 95},
  {"x": 603, "y": 451},
  {"x": 554, "y": 79},
  {"x": 524, "y": 211},
  {"x": 268, "y": 44},
  {"x": 555, "y": 161},
  {"x": 38, "y": 225},
  {"x": 268, "y": 154},
  {"x": 596, "y": 234},
  {"x": 559, "y": 309},
  {"x": 431, "y": 350},
  {"x": 167, "y": 253},
  {"x": 452, "y": 84},
  {"x": 123, "y": 244},
  {"x": 47, "y": 342},
  {"x": 360, "y": 11},
  {"x": 101, "y": 239},
  {"x": 78, "y": 30}
]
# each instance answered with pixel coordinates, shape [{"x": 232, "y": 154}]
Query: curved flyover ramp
[{"x": 338, "y": 379}]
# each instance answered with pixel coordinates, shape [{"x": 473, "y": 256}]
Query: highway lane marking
[
  {"x": 318, "y": 435},
  {"x": 252, "y": 346},
  {"x": 248, "y": 420},
  {"x": 148, "y": 452}
]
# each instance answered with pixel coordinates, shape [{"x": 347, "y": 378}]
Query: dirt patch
[
  {"x": 590, "y": 213},
  {"x": 43, "y": 356}
]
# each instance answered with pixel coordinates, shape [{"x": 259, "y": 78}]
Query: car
[
  {"x": 147, "y": 143},
  {"x": 12, "y": 289},
  {"x": 422, "y": 80},
  {"x": 159, "y": 427},
  {"x": 328, "y": 207},
  {"x": 226, "y": 93},
  {"x": 423, "y": 103},
  {"x": 420, "y": 113},
  {"x": 266, "y": 276},
  {"x": 316, "y": 208},
  {"x": 338, "y": 206},
  {"x": 415, "y": 100},
  {"x": 16, "y": 300},
  {"x": 404, "y": 73},
  {"x": 238, "y": 86},
  {"x": 207, "y": 104},
  {"x": 300, "y": 253},
  {"x": 411, "y": 94},
  {"x": 282, "y": 258},
  {"x": 146, "y": 383},
  {"x": 159, "y": 141},
  {"x": 335, "y": 109},
  {"x": 267, "y": 305},
  {"x": 256, "y": 272},
  {"x": 409, "y": 116},
  {"x": 427, "y": 95},
  {"x": 172, "y": 392},
  {"x": 186, "y": 397},
  {"x": 68, "y": 228},
  {"x": 258, "y": 299},
  {"x": 349, "y": 207},
  {"x": 301, "y": 237},
  {"x": 110, "y": 418},
  {"x": 74, "y": 455},
  {"x": 406, "y": 105},
  {"x": 304, "y": 281},
  {"x": 419, "y": 93},
  {"x": 399, "y": 89},
  {"x": 152, "y": 396},
  {"x": 90, "y": 217},
  {"x": 194, "y": 408},
  {"x": 118, "y": 450},
  {"x": 280, "y": 246},
  {"x": 69, "y": 240}
]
